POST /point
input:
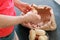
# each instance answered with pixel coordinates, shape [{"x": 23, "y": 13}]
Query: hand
[
  {"x": 32, "y": 17},
  {"x": 27, "y": 24},
  {"x": 24, "y": 7}
]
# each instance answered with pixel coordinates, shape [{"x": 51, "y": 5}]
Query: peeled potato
[
  {"x": 40, "y": 32},
  {"x": 43, "y": 38},
  {"x": 32, "y": 35}
]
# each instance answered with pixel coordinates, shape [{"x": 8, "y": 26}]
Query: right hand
[{"x": 32, "y": 17}]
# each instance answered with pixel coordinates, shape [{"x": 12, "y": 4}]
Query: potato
[
  {"x": 40, "y": 32},
  {"x": 43, "y": 38},
  {"x": 32, "y": 35}
]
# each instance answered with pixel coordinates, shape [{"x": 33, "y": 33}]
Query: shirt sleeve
[{"x": 3, "y": 4}]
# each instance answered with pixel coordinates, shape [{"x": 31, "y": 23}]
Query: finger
[
  {"x": 24, "y": 11},
  {"x": 27, "y": 25},
  {"x": 34, "y": 26},
  {"x": 28, "y": 8},
  {"x": 30, "y": 26}
]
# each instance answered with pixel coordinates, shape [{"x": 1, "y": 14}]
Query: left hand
[{"x": 25, "y": 7}]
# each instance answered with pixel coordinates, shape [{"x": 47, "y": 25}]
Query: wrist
[
  {"x": 20, "y": 19},
  {"x": 25, "y": 19}
]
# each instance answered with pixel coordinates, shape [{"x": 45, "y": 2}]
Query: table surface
[{"x": 24, "y": 32}]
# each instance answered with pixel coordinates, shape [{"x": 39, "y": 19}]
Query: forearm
[{"x": 6, "y": 21}]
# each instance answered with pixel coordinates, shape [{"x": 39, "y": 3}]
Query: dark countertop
[{"x": 55, "y": 35}]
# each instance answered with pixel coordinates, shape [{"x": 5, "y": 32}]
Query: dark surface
[{"x": 55, "y": 35}]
